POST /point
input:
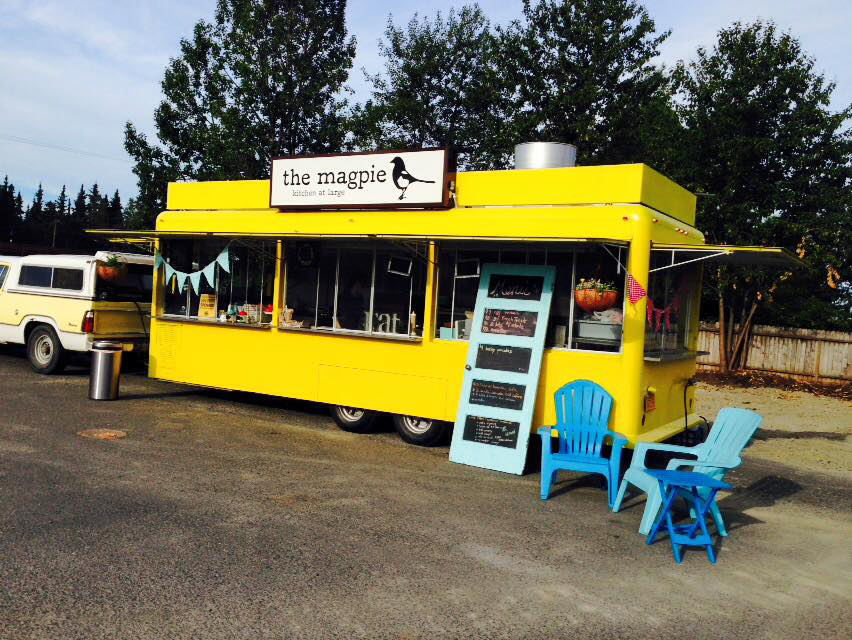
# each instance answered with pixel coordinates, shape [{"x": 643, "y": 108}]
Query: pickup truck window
[
  {"x": 4, "y": 269},
  {"x": 70, "y": 279},
  {"x": 50, "y": 277},
  {"x": 35, "y": 276},
  {"x": 134, "y": 286}
]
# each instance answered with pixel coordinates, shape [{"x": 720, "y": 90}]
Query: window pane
[
  {"x": 178, "y": 253},
  {"x": 134, "y": 286},
  {"x": 598, "y": 315},
  {"x": 35, "y": 276},
  {"x": 671, "y": 292},
  {"x": 300, "y": 298},
  {"x": 399, "y": 294},
  {"x": 70, "y": 279},
  {"x": 563, "y": 294},
  {"x": 3, "y": 271},
  {"x": 353, "y": 289},
  {"x": 325, "y": 290}
]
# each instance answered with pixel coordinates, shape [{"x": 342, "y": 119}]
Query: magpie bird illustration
[{"x": 402, "y": 179}]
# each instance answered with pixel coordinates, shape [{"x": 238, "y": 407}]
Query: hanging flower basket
[
  {"x": 111, "y": 270},
  {"x": 594, "y": 295}
]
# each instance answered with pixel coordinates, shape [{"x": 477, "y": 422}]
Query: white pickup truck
[{"x": 58, "y": 303}]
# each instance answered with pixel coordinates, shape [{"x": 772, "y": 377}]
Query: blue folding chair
[{"x": 582, "y": 415}]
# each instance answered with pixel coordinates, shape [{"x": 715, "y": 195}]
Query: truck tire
[
  {"x": 423, "y": 432},
  {"x": 44, "y": 351},
  {"x": 354, "y": 420}
]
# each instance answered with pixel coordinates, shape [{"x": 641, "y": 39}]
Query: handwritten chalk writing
[
  {"x": 510, "y": 322},
  {"x": 516, "y": 287},
  {"x": 497, "y": 394},
  {"x": 503, "y": 358},
  {"x": 500, "y": 433}
]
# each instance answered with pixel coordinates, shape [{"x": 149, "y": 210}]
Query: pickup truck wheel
[
  {"x": 44, "y": 351},
  {"x": 424, "y": 432},
  {"x": 354, "y": 420}
]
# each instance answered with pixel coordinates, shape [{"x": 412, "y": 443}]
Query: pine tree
[
  {"x": 95, "y": 208},
  {"x": 10, "y": 215},
  {"x": 113, "y": 212}
]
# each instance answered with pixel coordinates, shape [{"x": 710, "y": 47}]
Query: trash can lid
[{"x": 107, "y": 346}]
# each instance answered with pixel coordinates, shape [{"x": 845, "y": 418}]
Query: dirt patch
[
  {"x": 842, "y": 390},
  {"x": 102, "y": 434}
]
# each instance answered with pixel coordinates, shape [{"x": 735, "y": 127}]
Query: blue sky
[{"x": 72, "y": 72}]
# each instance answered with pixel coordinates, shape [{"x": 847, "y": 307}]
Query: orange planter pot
[
  {"x": 594, "y": 300},
  {"x": 110, "y": 274}
]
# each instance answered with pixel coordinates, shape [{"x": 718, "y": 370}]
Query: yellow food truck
[{"x": 342, "y": 281}]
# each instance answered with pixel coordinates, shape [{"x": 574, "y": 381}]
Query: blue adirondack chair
[
  {"x": 582, "y": 414},
  {"x": 731, "y": 433}
]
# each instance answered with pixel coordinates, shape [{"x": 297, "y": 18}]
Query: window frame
[
  {"x": 51, "y": 286},
  {"x": 547, "y": 249},
  {"x": 196, "y": 249},
  {"x": 375, "y": 248}
]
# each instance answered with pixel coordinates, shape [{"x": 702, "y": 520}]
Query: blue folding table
[{"x": 685, "y": 484}]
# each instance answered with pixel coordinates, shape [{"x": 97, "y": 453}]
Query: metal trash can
[{"x": 106, "y": 370}]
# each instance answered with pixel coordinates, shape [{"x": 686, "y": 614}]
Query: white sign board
[{"x": 390, "y": 179}]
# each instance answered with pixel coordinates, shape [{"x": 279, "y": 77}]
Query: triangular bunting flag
[
  {"x": 168, "y": 272},
  {"x": 181, "y": 279},
  {"x": 224, "y": 261},
  {"x": 195, "y": 281},
  {"x": 210, "y": 274},
  {"x": 635, "y": 292},
  {"x": 158, "y": 260}
]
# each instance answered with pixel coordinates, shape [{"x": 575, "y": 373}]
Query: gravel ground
[
  {"x": 237, "y": 516},
  {"x": 800, "y": 429}
]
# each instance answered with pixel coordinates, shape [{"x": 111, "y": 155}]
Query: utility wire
[{"x": 46, "y": 145}]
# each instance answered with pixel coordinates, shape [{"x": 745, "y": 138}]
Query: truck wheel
[
  {"x": 421, "y": 431},
  {"x": 44, "y": 351},
  {"x": 354, "y": 420}
]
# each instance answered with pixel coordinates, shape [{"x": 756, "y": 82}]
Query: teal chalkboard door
[{"x": 492, "y": 426}]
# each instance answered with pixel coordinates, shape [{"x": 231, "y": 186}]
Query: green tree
[
  {"x": 762, "y": 142},
  {"x": 10, "y": 211},
  {"x": 582, "y": 71},
  {"x": 263, "y": 79},
  {"x": 440, "y": 88}
]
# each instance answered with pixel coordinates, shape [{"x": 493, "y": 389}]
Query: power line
[{"x": 57, "y": 147}]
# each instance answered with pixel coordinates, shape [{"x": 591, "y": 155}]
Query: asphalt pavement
[{"x": 225, "y": 515}]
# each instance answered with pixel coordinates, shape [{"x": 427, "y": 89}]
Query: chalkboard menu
[
  {"x": 515, "y": 287},
  {"x": 498, "y": 433},
  {"x": 501, "y": 357},
  {"x": 494, "y": 418},
  {"x": 497, "y": 394},
  {"x": 510, "y": 322}
]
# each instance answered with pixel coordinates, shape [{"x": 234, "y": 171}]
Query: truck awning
[{"x": 728, "y": 255}]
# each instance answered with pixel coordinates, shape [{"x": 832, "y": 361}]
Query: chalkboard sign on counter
[
  {"x": 510, "y": 322},
  {"x": 503, "y": 358},
  {"x": 500, "y": 433},
  {"x": 497, "y": 394},
  {"x": 515, "y": 287}
]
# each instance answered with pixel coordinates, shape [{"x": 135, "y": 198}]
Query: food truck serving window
[
  {"x": 357, "y": 287},
  {"x": 672, "y": 292},
  {"x": 241, "y": 296},
  {"x": 587, "y": 309}
]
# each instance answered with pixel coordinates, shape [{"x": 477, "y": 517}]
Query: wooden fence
[{"x": 797, "y": 353}]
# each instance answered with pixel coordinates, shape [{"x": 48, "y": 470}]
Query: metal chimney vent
[{"x": 545, "y": 155}]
